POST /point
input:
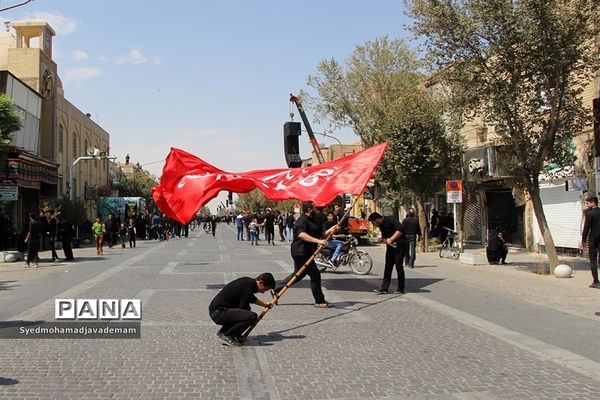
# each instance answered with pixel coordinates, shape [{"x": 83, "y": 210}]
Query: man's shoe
[
  {"x": 379, "y": 291},
  {"x": 228, "y": 340},
  {"x": 399, "y": 292},
  {"x": 503, "y": 262},
  {"x": 595, "y": 285},
  {"x": 323, "y": 305}
]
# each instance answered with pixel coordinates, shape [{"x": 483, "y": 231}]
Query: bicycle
[{"x": 450, "y": 245}]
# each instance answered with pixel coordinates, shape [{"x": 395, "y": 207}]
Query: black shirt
[
  {"x": 389, "y": 226},
  {"x": 591, "y": 229},
  {"x": 269, "y": 220},
  {"x": 411, "y": 226},
  {"x": 319, "y": 218},
  {"x": 35, "y": 228},
  {"x": 300, "y": 247},
  {"x": 326, "y": 226},
  {"x": 236, "y": 294}
]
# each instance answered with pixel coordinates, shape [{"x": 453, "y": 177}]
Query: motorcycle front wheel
[
  {"x": 321, "y": 262},
  {"x": 361, "y": 262}
]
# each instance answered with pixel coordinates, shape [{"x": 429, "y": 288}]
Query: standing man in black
[
  {"x": 392, "y": 233},
  {"x": 412, "y": 231},
  {"x": 306, "y": 240},
  {"x": 52, "y": 234},
  {"x": 33, "y": 241},
  {"x": 65, "y": 228},
  {"x": 231, "y": 306},
  {"x": 591, "y": 234},
  {"x": 269, "y": 224}
]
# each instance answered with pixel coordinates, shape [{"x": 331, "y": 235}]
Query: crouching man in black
[{"x": 231, "y": 306}]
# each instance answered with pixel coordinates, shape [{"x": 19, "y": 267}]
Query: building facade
[{"x": 65, "y": 133}]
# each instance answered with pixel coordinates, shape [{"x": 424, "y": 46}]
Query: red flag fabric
[{"x": 188, "y": 183}]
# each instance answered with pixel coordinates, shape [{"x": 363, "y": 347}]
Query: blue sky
[{"x": 210, "y": 77}]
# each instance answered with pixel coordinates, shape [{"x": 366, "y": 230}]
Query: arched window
[
  {"x": 74, "y": 145},
  {"x": 60, "y": 138}
]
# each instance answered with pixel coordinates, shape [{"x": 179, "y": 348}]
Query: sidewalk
[{"x": 517, "y": 279}]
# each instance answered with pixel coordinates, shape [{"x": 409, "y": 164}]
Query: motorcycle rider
[{"x": 333, "y": 244}]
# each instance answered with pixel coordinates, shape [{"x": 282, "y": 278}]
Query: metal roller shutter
[{"x": 502, "y": 211}]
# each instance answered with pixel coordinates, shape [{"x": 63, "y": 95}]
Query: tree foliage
[
  {"x": 140, "y": 184},
  {"x": 74, "y": 210},
  {"x": 522, "y": 67},
  {"x": 381, "y": 94},
  {"x": 10, "y": 120},
  {"x": 256, "y": 200}
]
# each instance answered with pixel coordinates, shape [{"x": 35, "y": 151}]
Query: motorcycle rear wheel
[{"x": 361, "y": 262}]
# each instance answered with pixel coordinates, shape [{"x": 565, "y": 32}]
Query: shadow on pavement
[
  {"x": 6, "y": 285},
  {"x": 13, "y": 324},
  {"x": 330, "y": 317},
  {"x": 7, "y": 381},
  {"x": 266, "y": 340},
  {"x": 415, "y": 285}
]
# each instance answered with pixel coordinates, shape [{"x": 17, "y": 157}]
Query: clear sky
[{"x": 210, "y": 77}]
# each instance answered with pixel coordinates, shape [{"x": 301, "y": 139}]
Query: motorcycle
[{"x": 359, "y": 261}]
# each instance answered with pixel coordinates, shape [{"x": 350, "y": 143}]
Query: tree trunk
[
  {"x": 420, "y": 197},
  {"x": 543, "y": 224}
]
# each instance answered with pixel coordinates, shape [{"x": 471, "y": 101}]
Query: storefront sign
[
  {"x": 9, "y": 193},
  {"x": 453, "y": 192}
]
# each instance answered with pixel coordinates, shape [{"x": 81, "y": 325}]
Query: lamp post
[{"x": 95, "y": 154}]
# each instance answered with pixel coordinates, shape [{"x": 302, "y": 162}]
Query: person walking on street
[
  {"x": 269, "y": 224},
  {"x": 131, "y": 233},
  {"x": 213, "y": 224},
  {"x": 392, "y": 234},
  {"x": 231, "y": 306},
  {"x": 289, "y": 222},
  {"x": 591, "y": 235},
  {"x": 52, "y": 234},
  {"x": 412, "y": 231},
  {"x": 33, "y": 241},
  {"x": 98, "y": 229},
  {"x": 239, "y": 225},
  {"x": 280, "y": 223},
  {"x": 306, "y": 240},
  {"x": 66, "y": 236}
]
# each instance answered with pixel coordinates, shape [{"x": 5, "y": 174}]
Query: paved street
[{"x": 461, "y": 332}]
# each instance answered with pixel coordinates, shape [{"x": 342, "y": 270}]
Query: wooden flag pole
[{"x": 296, "y": 276}]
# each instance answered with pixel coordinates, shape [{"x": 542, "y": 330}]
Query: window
[
  {"x": 74, "y": 145},
  {"x": 60, "y": 138}
]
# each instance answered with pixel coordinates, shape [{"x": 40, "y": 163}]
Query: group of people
[
  {"x": 47, "y": 226},
  {"x": 114, "y": 232},
  {"x": 251, "y": 225},
  {"x": 231, "y": 306}
]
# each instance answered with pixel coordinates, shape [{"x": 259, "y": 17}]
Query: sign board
[
  {"x": 575, "y": 184},
  {"x": 9, "y": 193},
  {"x": 453, "y": 191}
]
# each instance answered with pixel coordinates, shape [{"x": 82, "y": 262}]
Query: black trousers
[
  {"x": 593, "y": 250},
  {"x": 270, "y": 233},
  {"x": 67, "y": 249},
  {"x": 394, "y": 257},
  {"x": 234, "y": 321},
  {"x": 411, "y": 254},
  {"x": 33, "y": 247},
  {"x": 315, "y": 278},
  {"x": 52, "y": 242}
]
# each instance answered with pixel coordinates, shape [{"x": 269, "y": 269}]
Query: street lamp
[
  {"x": 93, "y": 154},
  {"x": 329, "y": 136}
]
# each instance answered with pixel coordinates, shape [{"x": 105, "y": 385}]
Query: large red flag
[{"x": 188, "y": 183}]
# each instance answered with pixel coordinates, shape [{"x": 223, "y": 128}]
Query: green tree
[
  {"x": 74, "y": 209},
  {"x": 381, "y": 94},
  {"x": 256, "y": 200},
  {"x": 10, "y": 120},
  {"x": 140, "y": 184},
  {"x": 522, "y": 67}
]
